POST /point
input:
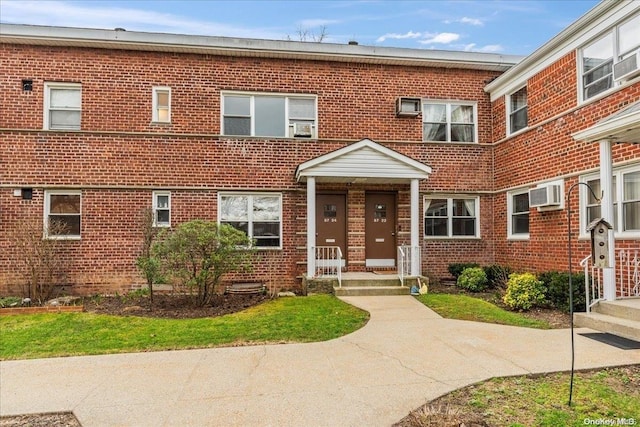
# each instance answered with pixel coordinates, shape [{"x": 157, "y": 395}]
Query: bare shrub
[{"x": 37, "y": 258}]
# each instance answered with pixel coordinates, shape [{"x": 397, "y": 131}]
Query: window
[
  {"x": 518, "y": 208},
  {"x": 62, "y": 106},
  {"x": 269, "y": 115},
  {"x": 449, "y": 122},
  {"x": 257, "y": 215},
  {"x": 626, "y": 202},
  {"x": 62, "y": 213},
  {"x": 518, "y": 110},
  {"x": 451, "y": 217},
  {"x": 162, "y": 209},
  {"x": 597, "y": 57},
  {"x": 161, "y": 98}
]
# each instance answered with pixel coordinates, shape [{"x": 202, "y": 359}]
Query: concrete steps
[
  {"x": 621, "y": 317},
  {"x": 352, "y": 291},
  {"x": 369, "y": 284}
]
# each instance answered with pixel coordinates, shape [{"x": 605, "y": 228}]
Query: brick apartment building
[{"x": 306, "y": 145}]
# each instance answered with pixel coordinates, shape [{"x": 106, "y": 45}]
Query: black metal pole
[{"x": 573, "y": 351}]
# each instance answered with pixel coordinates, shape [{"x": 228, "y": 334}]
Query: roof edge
[{"x": 231, "y": 46}]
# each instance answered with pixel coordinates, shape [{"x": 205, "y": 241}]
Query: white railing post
[
  {"x": 328, "y": 262},
  {"x": 401, "y": 258}
]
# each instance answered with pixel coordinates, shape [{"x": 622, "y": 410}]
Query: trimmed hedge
[
  {"x": 473, "y": 279},
  {"x": 557, "y": 295}
]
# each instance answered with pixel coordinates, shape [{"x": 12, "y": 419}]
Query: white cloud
[
  {"x": 440, "y": 38},
  {"x": 490, "y": 48},
  {"x": 395, "y": 36},
  {"x": 471, "y": 21},
  {"x": 314, "y": 23},
  {"x": 69, "y": 14}
]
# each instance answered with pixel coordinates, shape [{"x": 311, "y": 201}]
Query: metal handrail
[
  {"x": 407, "y": 255},
  {"x": 627, "y": 281},
  {"x": 328, "y": 262},
  {"x": 401, "y": 266}
]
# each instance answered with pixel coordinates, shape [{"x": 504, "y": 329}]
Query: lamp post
[{"x": 571, "y": 276}]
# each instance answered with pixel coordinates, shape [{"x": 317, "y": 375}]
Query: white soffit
[
  {"x": 623, "y": 126},
  {"x": 364, "y": 161}
]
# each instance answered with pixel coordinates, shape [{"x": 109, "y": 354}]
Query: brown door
[
  {"x": 380, "y": 229},
  {"x": 331, "y": 221}
]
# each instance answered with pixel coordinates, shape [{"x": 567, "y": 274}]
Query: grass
[
  {"x": 463, "y": 307},
  {"x": 308, "y": 319},
  {"x": 611, "y": 395}
]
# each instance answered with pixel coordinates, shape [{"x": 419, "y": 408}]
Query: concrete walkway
[{"x": 406, "y": 355}]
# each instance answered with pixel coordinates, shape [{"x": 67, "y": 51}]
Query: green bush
[
  {"x": 473, "y": 279},
  {"x": 557, "y": 285},
  {"x": 497, "y": 275},
  {"x": 524, "y": 291},
  {"x": 457, "y": 268}
]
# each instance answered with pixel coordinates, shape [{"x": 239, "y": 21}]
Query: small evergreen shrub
[
  {"x": 497, "y": 275},
  {"x": 473, "y": 279},
  {"x": 524, "y": 291},
  {"x": 557, "y": 285},
  {"x": 456, "y": 269}
]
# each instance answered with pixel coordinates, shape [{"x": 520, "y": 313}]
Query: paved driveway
[{"x": 405, "y": 356}]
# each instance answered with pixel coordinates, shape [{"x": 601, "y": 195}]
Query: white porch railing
[
  {"x": 408, "y": 256},
  {"x": 329, "y": 262},
  {"x": 627, "y": 263},
  {"x": 628, "y": 269}
]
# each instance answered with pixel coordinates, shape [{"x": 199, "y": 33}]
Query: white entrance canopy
[
  {"x": 621, "y": 127},
  {"x": 362, "y": 162}
]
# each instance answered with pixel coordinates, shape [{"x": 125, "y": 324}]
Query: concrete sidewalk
[{"x": 406, "y": 355}]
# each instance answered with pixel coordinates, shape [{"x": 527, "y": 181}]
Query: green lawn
[
  {"x": 610, "y": 396},
  {"x": 463, "y": 307},
  {"x": 302, "y": 319}
]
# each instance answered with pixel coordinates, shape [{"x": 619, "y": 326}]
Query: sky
[{"x": 515, "y": 27}]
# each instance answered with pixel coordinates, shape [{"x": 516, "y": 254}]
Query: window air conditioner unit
[
  {"x": 545, "y": 196},
  {"x": 627, "y": 68},
  {"x": 303, "y": 130},
  {"x": 407, "y": 107}
]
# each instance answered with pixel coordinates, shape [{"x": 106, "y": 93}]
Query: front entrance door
[
  {"x": 331, "y": 222},
  {"x": 380, "y": 229}
]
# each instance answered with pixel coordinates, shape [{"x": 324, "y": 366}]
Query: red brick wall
[
  {"x": 547, "y": 151},
  {"x": 354, "y": 100},
  {"x": 119, "y": 157}
]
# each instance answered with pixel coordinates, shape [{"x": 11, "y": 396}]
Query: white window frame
[
  {"x": 156, "y": 208},
  {"x": 450, "y": 198},
  {"x": 251, "y": 219},
  {"x": 288, "y": 120},
  {"x": 448, "y": 104},
  {"x": 618, "y": 175},
  {"x": 617, "y": 56},
  {"x": 156, "y": 108},
  {"x": 48, "y": 87},
  {"x": 511, "y": 235},
  {"x": 511, "y": 112},
  {"x": 47, "y": 214}
]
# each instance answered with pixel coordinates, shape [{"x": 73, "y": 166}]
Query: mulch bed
[{"x": 171, "y": 306}]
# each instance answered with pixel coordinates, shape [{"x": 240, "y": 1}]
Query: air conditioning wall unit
[
  {"x": 627, "y": 68},
  {"x": 546, "y": 197},
  {"x": 302, "y": 130},
  {"x": 408, "y": 107}
]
